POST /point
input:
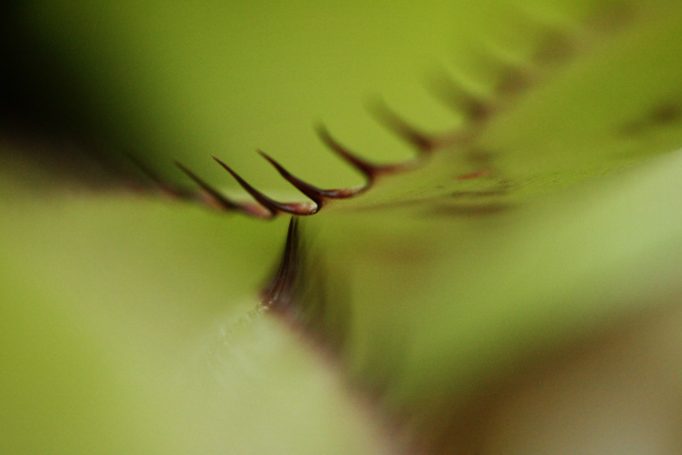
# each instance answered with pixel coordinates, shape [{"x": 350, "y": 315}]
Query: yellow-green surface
[{"x": 130, "y": 325}]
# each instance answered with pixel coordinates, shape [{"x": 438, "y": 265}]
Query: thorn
[
  {"x": 221, "y": 201},
  {"x": 270, "y": 204},
  {"x": 318, "y": 195},
  {"x": 280, "y": 288},
  {"x": 512, "y": 80},
  {"x": 370, "y": 170},
  {"x": 511, "y": 77},
  {"x": 475, "y": 109},
  {"x": 313, "y": 192},
  {"x": 171, "y": 190},
  {"x": 556, "y": 46},
  {"x": 421, "y": 141}
]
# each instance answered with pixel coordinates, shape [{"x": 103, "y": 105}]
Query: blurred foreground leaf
[{"x": 134, "y": 325}]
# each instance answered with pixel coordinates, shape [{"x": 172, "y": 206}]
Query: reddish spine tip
[
  {"x": 279, "y": 292},
  {"x": 271, "y": 205},
  {"x": 369, "y": 170},
  {"x": 318, "y": 195},
  {"x": 474, "y": 108},
  {"x": 169, "y": 189},
  {"x": 418, "y": 139},
  {"x": 221, "y": 200},
  {"x": 512, "y": 80}
]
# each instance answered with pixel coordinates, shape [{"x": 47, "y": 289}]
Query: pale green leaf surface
[
  {"x": 154, "y": 303},
  {"x": 136, "y": 349}
]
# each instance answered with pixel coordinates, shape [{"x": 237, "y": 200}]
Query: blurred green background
[
  {"x": 130, "y": 324},
  {"x": 175, "y": 80}
]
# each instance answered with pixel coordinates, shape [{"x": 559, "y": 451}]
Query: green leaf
[{"x": 549, "y": 222}]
